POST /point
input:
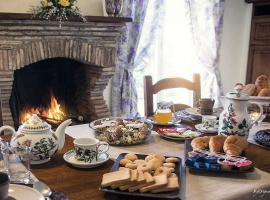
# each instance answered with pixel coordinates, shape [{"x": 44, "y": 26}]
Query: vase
[
  {"x": 110, "y": 7},
  {"x": 118, "y": 4}
]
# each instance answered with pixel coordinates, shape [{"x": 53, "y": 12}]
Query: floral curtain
[
  {"x": 124, "y": 96},
  {"x": 206, "y": 20}
]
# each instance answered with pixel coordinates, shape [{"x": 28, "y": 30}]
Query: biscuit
[
  {"x": 124, "y": 161},
  {"x": 171, "y": 160},
  {"x": 169, "y": 165},
  {"x": 131, "y": 165},
  {"x": 131, "y": 156}
]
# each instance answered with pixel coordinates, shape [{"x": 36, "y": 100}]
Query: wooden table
[{"x": 82, "y": 184}]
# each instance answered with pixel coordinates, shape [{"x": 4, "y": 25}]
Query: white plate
[
  {"x": 21, "y": 192},
  {"x": 69, "y": 157},
  {"x": 177, "y": 138},
  {"x": 200, "y": 128},
  {"x": 193, "y": 111}
]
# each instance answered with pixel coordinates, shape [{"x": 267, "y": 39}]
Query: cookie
[
  {"x": 262, "y": 81},
  {"x": 123, "y": 162},
  {"x": 171, "y": 160},
  {"x": 265, "y": 92},
  {"x": 263, "y": 137},
  {"x": 131, "y": 156},
  {"x": 249, "y": 89}
]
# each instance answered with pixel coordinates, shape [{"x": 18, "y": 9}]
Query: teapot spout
[{"x": 60, "y": 133}]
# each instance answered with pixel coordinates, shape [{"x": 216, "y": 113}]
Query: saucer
[
  {"x": 21, "y": 192},
  {"x": 69, "y": 157},
  {"x": 200, "y": 128}
]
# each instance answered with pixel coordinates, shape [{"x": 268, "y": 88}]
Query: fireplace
[
  {"x": 54, "y": 89},
  {"x": 44, "y": 67}
]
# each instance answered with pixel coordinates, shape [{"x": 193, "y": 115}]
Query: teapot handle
[
  {"x": 261, "y": 113},
  {"x": 9, "y": 128}
]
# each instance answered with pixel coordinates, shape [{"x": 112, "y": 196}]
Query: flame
[{"x": 53, "y": 113}]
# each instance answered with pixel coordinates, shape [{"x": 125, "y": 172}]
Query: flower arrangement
[{"x": 58, "y": 9}]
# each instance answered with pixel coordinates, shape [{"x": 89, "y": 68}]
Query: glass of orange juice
[{"x": 163, "y": 114}]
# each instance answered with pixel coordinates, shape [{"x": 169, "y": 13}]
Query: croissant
[
  {"x": 200, "y": 142},
  {"x": 234, "y": 145},
  {"x": 216, "y": 143}
]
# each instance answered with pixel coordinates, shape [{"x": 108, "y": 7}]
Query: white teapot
[
  {"x": 38, "y": 135},
  {"x": 234, "y": 119}
]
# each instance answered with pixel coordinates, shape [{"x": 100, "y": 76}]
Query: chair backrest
[{"x": 150, "y": 89}]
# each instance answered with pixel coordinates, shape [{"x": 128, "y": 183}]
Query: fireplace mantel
[
  {"x": 24, "y": 41},
  {"x": 27, "y": 16}
]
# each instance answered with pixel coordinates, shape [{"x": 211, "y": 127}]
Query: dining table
[{"x": 84, "y": 184}]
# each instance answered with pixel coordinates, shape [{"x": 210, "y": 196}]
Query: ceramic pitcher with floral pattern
[{"x": 235, "y": 119}]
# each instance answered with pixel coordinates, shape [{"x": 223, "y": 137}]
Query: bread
[
  {"x": 249, "y": 89},
  {"x": 131, "y": 156},
  {"x": 200, "y": 142},
  {"x": 164, "y": 170},
  {"x": 216, "y": 143},
  {"x": 234, "y": 145},
  {"x": 115, "y": 177},
  {"x": 160, "y": 181},
  {"x": 172, "y": 185},
  {"x": 265, "y": 92},
  {"x": 262, "y": 82}
]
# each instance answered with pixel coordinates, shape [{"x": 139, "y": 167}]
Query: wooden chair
[{"x": 150, "y": 89}]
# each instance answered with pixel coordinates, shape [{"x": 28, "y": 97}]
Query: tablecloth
[{"x": 204, "y": 186}]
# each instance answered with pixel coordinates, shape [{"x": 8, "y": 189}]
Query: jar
[{"x": 163, "y": 114}]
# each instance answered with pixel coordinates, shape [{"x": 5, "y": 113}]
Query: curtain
[
  {"x": 206, "y": 20},
  {"x": 124, "y": 95}
]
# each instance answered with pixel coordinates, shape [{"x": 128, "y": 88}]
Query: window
[{"x": 171, "y": 53}]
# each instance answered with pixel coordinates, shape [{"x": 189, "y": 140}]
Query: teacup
[
  {"x": 209, "y": 121},
  {"x": 4, "y": 185},
  {"x": 88, "y": 149}
]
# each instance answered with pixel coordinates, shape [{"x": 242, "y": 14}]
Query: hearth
[{"x": 51, "y": 88}]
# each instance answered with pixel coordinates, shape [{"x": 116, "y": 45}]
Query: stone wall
[{"x": 23, "y": 42}]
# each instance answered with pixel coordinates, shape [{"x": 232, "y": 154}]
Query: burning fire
[{"x": 53, "y": 113}]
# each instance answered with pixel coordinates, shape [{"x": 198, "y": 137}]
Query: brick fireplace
[{"x": 24, "y": 41}]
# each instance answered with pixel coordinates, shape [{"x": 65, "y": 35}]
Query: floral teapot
[
  {"x": 38, "y": 135},
  {"x": 234, "y": 119}
]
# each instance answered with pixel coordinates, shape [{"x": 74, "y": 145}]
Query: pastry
[
  {"x": 216, "y": 143},
  {"x": 200, "y": 142},
  {"x": 131, "y": 156},
  {"x": 115, "y": 177},
  {"x": 249, "y": 89},
  {"x": 263, "y": 137},
  {"x": 172, "y": 185},
  {"x": 160, "y": 181},
  {"x": 148, "y": 180},
  {"x": 124, "y": 161},
  {"x": 171, "y": 160},
  {"x": 163, "y": 170},
  {"x": 262, "y": 82},
  {"x": 235, "y": 145},
  {"x": 265, "y": 92}
]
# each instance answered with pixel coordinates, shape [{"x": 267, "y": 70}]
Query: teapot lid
[
  {"x": 238, "y": 93},
  {"x": 34, "y": 123}
]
